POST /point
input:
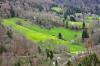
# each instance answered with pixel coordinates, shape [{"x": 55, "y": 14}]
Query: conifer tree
[
  {"x": 9, "y": 33},
  {"x": 51, "y": 55},
  {"x": 67, "y": 24},
  {"x": 60, "y": 36},
  {"x": 56, "y": 63},
  {"x": 83, "y": 26},
  {"x": 85, "y": 34}
]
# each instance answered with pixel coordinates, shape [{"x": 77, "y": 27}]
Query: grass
[
  {"x": 89, "y": 17},
  {"x": 38, "y": 34},
  {"x": 30, "y": 34},
  {"x": 57, "y": 9},
  {"x": 79, "y": 24},
  {"x": 99, "y": 18}
]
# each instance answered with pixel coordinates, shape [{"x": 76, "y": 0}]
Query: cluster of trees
[
  {"x": 14, "y": 47},
  {"x": 71, "y": 10},
  {"x": 91, "y": 60},
  {"x": 67, "y": 22},
  {"x": 95, "y": 38},
  {"x": 88, "y": 60},
  {"x": 49, "y": 54},
  {"x": 72, "y": 18},
  {"x": 83, "y": 6}
]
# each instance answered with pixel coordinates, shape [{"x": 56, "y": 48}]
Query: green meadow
[
  {"x": 40, "y": 34},
  {"x": 57, "y": 9}
]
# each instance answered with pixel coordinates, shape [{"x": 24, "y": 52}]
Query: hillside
[
  {"x": 33, "y": 32},
  {"x": 49, "y": 33},
  {"x": 83, "y": 5},
  {"x": 14, "y": 7}
]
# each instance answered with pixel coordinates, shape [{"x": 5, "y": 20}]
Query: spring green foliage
[{"x": 40, "y": 34}]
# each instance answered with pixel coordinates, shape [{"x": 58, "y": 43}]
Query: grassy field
[
  {"x": 38, "y": 34},
  {"x": 79, "y": 24},
  {"x": 57, "y": 9}
]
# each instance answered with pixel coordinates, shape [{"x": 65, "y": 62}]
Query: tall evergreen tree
[
  {"x": 83, "y": 26},
  {"x": 60, "y": 36},
  {"x": 51, "y": 55},
  {"x": 0, "y": 21},
  {"x": 47, "y": 53},
  {"x": 12, "y": 11},
  {"x": 56, "y": 63},
  {"x": 39, "y": 49},
  {"x": 85, "y": 34},
  {"x": 65, "y": 18},
  {"x": 67, "y": 24}
]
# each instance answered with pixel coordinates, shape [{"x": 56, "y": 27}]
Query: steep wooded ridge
[
  {"x": 86, "y": 5},
  {"x": 7, "y": 6}
]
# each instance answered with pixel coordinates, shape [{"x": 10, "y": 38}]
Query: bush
[
  {"x": 2, "y": 49},
  {"x": 18, "y": 23},
  {"x": 60, "y": 36},
  {"x": 9, "y": 33},
  {"x": 18, "y": 64},
  {"x": 39, "y": 49},
  {"x": 0, "y": 21},
  {"x": 69, "y": 63},
  {"x": 72, "y": 19},
  {"x": 90, "y": 60}
]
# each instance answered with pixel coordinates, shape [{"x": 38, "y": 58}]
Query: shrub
[
  {"x": 39, "y": 49},
  {"x": 18, "y": 23},
  {"x": 2, "y": 49},
  {"x": 60, "y": 36},
  {"x": 72, "y": 19},
  {"x": 51, "y": 55},
  {"x": 18, "y": 64},
  {"x": 9, "y": 33},
  {"x": 90, "y": 60}
]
